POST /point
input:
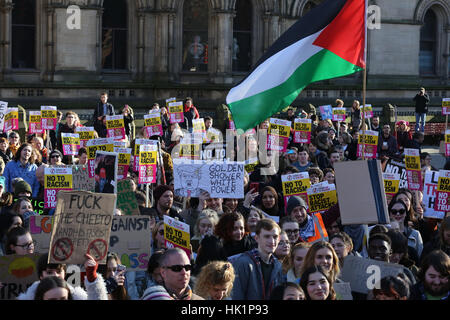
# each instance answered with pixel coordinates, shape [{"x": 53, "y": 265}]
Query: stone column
[
  {"x": 224, "y": 41},
  {"x": 5, "y": 37},
  {"x": 141, "y": 45}
]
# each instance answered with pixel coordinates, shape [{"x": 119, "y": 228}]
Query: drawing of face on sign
[{"x": 189, "y": 180}]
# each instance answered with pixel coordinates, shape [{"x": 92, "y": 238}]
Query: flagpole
[{"x": 364, "y": 78}]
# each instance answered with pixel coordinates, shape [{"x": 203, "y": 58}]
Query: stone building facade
[{"x": 143, "y": 51}]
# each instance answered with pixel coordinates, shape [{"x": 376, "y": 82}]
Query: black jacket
[
  {"x": 98, "y": 124},
  {"x": 421, "y": 103},
  {"x": 247, "y": 243}
]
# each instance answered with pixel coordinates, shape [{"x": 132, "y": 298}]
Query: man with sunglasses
[{"x": 176, "y": 274}]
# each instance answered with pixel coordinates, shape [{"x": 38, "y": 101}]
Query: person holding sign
[
  {"x": 190, "y": 113},
  {"x": 72, "y": 122},
  {"x": 387, "y": 144}
]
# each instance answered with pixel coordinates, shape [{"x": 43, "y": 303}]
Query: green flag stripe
[{"x": 251, "y": 111}]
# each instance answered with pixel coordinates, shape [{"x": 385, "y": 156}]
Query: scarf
[{"x": 307, "y": 230}]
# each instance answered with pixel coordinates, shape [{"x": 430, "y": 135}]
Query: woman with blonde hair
[
  {"x": 215, "y": 280},
  {"x": 322, "y": 254},
  {"x": 204, "y": 225},
  {"x": 292, "y": 265}
]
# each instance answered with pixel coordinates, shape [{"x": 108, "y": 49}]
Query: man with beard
[
  {"x": 163, "y": 204},
  {"x": 434, "y": 278}
]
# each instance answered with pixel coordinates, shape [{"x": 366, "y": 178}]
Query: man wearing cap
[
  {"x": 56, "y": 158},
  {"x": 163, "y": 204}
]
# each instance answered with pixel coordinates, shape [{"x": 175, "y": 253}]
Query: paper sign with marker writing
[
  {"x": 41, "y": 231},
  {"x": 126, "y": 200},
  {"x": 55, "y": 180},
  {"x": 81, "y": 179},
  {"x": 302, "y": 130},
  {"x": 413, "y": 173},
  {"x": 49, "y": 117}
]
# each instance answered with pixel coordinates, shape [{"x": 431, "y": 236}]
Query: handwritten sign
[
  {"x": 81, "y": 179},
  {"x": 3, "y": 111},
  {"x": 82, "y": 225},
  {"x": 85, "y": 134},
  {"x": 302, "y": 130},
  {"x": 49, "y": 117},
  {"x": 338, "y": 114},
  {"x": 41, "y": 231},
  {"x": 391, "y": 185},
  {"x": 295, "y": 184},
  {"x": 429, "y": 195},
  {"x": 368, "y": 142},
  {"x": 153, "y": 123},
  {"x": 278, "y": 135},
  {"x": 115, "y": 127},
  {"x": 413, "y": 172},
  {"x": 147, "y": 163},
  {"x": 35, "y": 124},
  {"x": 12, "y": 119},
  {"x": 321, "y": 197},
  {"x": 55, "y": 180},
  {"x": 176, "y": 114},
  {"x": 176, "y": 234},
  {"x": 71, "y": 143},
  {"x": 94, "y": 145},
  {"x": 445, "y": 106},
  {"x": 124, "y": 159},
  {"x": 126, "y": 199}
]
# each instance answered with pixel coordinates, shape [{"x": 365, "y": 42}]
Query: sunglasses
[
  {"x": 179, "y": 267},
  {"x": 26, "y": 245},
  {"x": 398, "y": 212}
]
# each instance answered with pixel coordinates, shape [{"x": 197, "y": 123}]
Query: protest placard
[
  {"x": 413, "y": 172},
  {"x": 397, "y": 167},
  {"x": 120, "y": 144},
  {"x": 123, "y": 164},
  {"x": 176, "y": 112},
  {"x": 56, "y": 179},
  {"x": 11, "y": 119},
  {"x": 101, "y": 144},
  {"x": 361, "y": 199},
  {"x": 445, "y": 106},
  {"x": 41, "y": 231},
  {"x": 250, "y": 164},
  {"x": 85, "y": 134},
  {"x": 391, "y": 185},
  {"x": 214, "y": 151},
  {"x": 176, "y": 234},
  {"x": 338, "y": 114},
  {"x": 126, "y": 199},
  {"x": 429, "y": 195},
  {"x": 49, "y": 117},
  {"x": 17, "y": 273},
  {"x": 368, "y": 142},
  {"x": 81, "y": 179},
  {"x": 169, "y": 100},
  {"x": 343, "y": 291},
  {"x": 302, "y": 130},
  {"x": 198, "y": 126},
  {"x": 442, "y": 192},
  {"x": 368, "y": 111},
  {"x": 295, "y": 184},
  {"x": 214, "y": 135},
  {"x": 222, "y": 179},
  {"x": 326, "y": 112},
  {"x": 105, "y": 172},
  {"x": 147, "y": 163},
  {"x": 3, "y": 111},
  {"x": 278, "y": 134},
  {"x": 82, "y": 224},
  {"x": 153, "y": 123},
  {"x": 321, "y": 197},
  {"x": 35, "y": 124},
  {"x": 137, "y": 146},
  {"x": 115, "y": 127},
  {"x": 71, "y": 143},
  {"x": 191, "y": 148},
  {"x": 131, "y": 240},
  {"x": 447, "y": 143},
  {"x": 363, "y": 273}
]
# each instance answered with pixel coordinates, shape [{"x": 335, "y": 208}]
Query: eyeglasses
[
  {"x": 289, "y": 231},
  {"x": 26, "y": 245},
  {"x": 179, "y": 267},
  {"x": 398, "y": 212}
]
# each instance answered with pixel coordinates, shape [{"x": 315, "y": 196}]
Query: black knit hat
[
  {"x": 293, "y": 202},
  {"x": 22, "y": 186}
]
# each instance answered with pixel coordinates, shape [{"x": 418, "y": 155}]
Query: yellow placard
[
  {"x": 70, "y": 140},
  {"x": 447, "y": 138},
  {"x": 368, "y": 139},
  {"x": 147, "y": 157},
  {"x": 48, "y": 114},
  {"x": 104, "y": 147},
  {"x": 35, "y": 118},
  {"x": 152, "y": 121},
  {"x": 176, "y": 236},
  {"x": 175, "y": 109},
  {"x": 58, "y": 181},
  {"x": 391, "y": 186},
  {"x": 124, "y": 158},
  {"x": 279, "y": 130},
  {"x": 86, "y": 135},
  {"x": 190, "y": 151},
  {"x": 322, "y": 201},
  {"x": 443, "y": 184},
  {"x": 412, "y": 162},
  {"x": 295, "y": 187},
  {"x": 299, "y": 126},
  {"x": 114, "y": 124},
  {"x": 12, "y": 115}
]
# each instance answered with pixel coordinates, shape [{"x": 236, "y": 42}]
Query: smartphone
[
  {"x": 254, "y": 186},
  {"x": 121, "y": 267}
]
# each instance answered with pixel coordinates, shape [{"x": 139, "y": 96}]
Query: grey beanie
[{"x": 295, "y": 201}]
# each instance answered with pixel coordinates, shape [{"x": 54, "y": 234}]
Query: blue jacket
[
  {"x": 14, "y": 169},
  {"x": 249, "y": 282}
]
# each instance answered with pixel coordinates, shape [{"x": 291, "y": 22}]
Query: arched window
[
  {"x": 114, "y": 35},
  {"x": 23, "y": 28},
  {"x": 428, "y": 42},
  {"x": 242, "y": 36},
  {"x": 195, "y": 35}
]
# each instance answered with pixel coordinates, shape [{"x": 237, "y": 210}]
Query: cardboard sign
[
  {"x": 176, "y": 114},
  {"x": 447, "y": 143},
  {"x": 221, "y": 179},
  {"x": 302, "y": 130},
  {"x": 397, "y": 167},
  {"x": 278, "y": 134},
  {"x": 105, "y": 172},
  {"x": 326, "y": 112},
  {"x": 442, "y": 192},
  {"x": 153, "y": 123},
  {"x": 250, "y": 164},
  {"x": 35, "y": 124},
  {"x": 12, "y": 119},
  {"x": 85, "y": 134},
  {"x": 115, "y": 127},
  {"x": 361, "y": 198},
  {"x": 148, "y": 155},
  {"x": 102, "y": 144},
  {"x": 55, "y": 180},
  {"x": 368, "y": 142},
  {"x": 391, "y": 185},
  {"x": 295, "y": 184},
  {"x": 176, "y": 234},
  {"x": 71, "y": 143},
  {"x": 429, "y": 195},
  {"x": 82, "y": 225},
  {"x": 41, "y": 232},
  {"x": 3, "y": 111},
  {"x": 131, "y": 240},
  {"x": 123, "y": 164},
  {"x": 343, "y": 291},
  {"x": 368, "y": 112},
  {"x": 360, "y": 272},
  {"x": 321, "y": 197},
  {"x": 126, "y": 199},
  {"x": 49, "y": 117},
  {"x": 413, "y": 172},
  {"x": 81, "y": 179},
  {"x": 445, "y": 106},
  {"x": 17, "y": 273},
  {"x": 338, "y": 114}
]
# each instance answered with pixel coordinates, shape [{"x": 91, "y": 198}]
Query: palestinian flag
[{"x": 326, "y": 43}]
